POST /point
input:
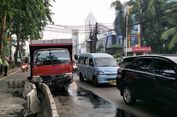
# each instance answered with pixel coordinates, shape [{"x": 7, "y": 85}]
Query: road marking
[{"x": 9, "y": 75}]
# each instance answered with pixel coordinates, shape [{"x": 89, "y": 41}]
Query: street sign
[{"x": 141, "y": 49}]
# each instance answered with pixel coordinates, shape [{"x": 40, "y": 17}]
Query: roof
[
  {"x": 172, "y": 57},
  {"x": 97, "y": 54},
  {"x": 54, "y": 41}
]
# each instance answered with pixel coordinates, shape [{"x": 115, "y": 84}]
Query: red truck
[{"x": 52, "y": 61}]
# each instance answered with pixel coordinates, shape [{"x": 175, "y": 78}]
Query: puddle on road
[
  {"x": 84, "y": 103},
  {"x": 94, "y": 99}
]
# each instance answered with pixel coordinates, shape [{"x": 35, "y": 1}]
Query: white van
[{"x": 100, "y": 68}]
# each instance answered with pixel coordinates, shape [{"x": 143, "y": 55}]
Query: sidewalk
[
  {"x": 12, "y": 103},
  {"x": 10, "y": 71}
]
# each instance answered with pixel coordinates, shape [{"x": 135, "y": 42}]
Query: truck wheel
[
  {"x": 94, "y": 81},
  {"x": 129, "y": 95},
  {"x": 81, "y": 77}
]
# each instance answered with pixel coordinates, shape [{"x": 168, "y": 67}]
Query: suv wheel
[
  {"x": 128, "y": 95},
  {"x": 81, "y": 77}
]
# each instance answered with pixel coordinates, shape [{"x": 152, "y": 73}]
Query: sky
[{"x": 74, "y": 12}]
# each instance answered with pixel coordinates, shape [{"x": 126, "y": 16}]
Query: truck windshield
[
  {"x": 105, "y": 62},
  {"x": 51, "y": 56}
]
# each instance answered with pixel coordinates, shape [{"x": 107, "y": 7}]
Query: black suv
[{"x": 151, "y": 77}]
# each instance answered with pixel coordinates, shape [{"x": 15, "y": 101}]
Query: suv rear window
[
  {"x": 143, "y": 64},
  {"x": 127, "y": 62}
]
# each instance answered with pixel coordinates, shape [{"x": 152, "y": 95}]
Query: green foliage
[
  {"x": 25, "y": 18},
  {"x": 149, "y": 14},
  {"x": 169, "y": 36},
  {"x": 119, "y": 23}
]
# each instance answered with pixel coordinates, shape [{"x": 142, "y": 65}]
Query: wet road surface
[
  {"x": 85, "y": 100},
  {"x": 139, "y": 109},
  {"x": 78, "y": 102}
]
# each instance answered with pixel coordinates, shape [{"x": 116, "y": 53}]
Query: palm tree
[
  {"x": 170, "y": 35},
  {"x": 119, "y": 22}
]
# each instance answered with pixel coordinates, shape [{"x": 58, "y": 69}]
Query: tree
[
  {"x": 119, "y": 22},
  {"x": 169, "y": 36},
  {"x": 25, "y": 18},
  {"x": 5, "y": 15},
  {"x": 149, "y": 13},
  {"x": 29, "y": 19}
]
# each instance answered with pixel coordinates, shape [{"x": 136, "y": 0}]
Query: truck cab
[{"x": 52, "y": 61}]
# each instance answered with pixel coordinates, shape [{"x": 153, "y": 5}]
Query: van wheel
[
  {"x": 81, "y": 77},
  {"x": 129, "y": 95},
  {"x": 94, "y": 81}
]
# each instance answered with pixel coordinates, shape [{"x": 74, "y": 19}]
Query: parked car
[
  {"x": 152, "y": 77},
  {"x": 100, "y": 68}
]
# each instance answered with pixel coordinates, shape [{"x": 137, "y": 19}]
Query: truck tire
[{"x": 128, "y": 95}]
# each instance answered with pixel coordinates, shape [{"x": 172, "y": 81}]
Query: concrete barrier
[
  {"x": 13, "y": 84},
  {"x": 32, "y": 104},
  {"x": 27, "y": 88},
  {"x": 48, "y": 102}
]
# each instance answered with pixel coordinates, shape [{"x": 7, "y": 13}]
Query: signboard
[{"x": 141, "y": 49}]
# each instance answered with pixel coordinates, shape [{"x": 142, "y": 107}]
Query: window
[
  {"x": 81, "y": 60},
  {"x": 143, "y": 64},
  {"x": 128, "y": 63},
  {"x": 105, "y": 62},
  {"x": 51, "y": 56},
  {"x": 91, "y": 62},
  {"x": 163, "y": 67},
  {"x": 86, "y": 62}
]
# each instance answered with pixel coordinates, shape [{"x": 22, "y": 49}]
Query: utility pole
[
  {"x": 126, "y": 35},
  {"x": 91, "y": 39},
  {"x": 95, "y": 36}
]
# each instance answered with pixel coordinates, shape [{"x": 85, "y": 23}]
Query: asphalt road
[{"x": 82, "y": 98}]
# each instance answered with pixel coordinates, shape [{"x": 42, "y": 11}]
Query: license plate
[{"x": 113, "y": 82}]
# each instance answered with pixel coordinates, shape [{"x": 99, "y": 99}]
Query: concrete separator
[
  {"x": 47, "y": 103},
  {"x": 32, "y": 104},
  {"x": 51, "y": 110}
]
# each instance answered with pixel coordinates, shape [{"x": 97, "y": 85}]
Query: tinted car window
[
  {"x": 143, "y": 64},
  {"x": 128, "y": 63},
  {"x": 163, "y": 67}
]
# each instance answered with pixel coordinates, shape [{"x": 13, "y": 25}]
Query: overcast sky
[{"x": 74, "y": 12}]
